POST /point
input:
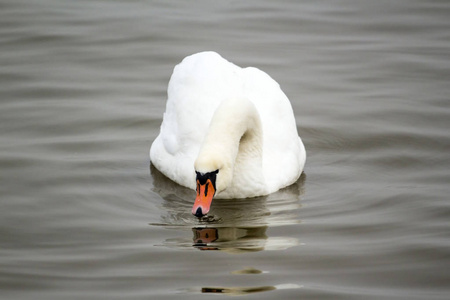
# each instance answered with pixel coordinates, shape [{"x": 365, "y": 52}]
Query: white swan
[{"x": 227, "y": 131}]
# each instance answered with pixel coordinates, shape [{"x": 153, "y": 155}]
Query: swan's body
[{"x": 235, "y": 120}]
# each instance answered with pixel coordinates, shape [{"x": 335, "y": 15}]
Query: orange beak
[{"x": 205, "y": 193}]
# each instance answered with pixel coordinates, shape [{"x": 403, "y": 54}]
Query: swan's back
[
  {"x": 197, "y": 86},
  {"x": 283, "y": 152}
]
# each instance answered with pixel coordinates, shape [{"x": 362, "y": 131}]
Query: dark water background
[{"x": 84, "y": 216}]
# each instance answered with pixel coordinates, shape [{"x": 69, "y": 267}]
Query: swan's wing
[{"x": 283, "y": 152}]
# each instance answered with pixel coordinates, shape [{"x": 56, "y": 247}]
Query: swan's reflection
[
  {"x": 235, "y": 291},
  {"x": 241, "y": 291},
  {"x": 238, "y": 239},
  {"x": 231, "y": 239},
  {"x": 235, "y": 226}
]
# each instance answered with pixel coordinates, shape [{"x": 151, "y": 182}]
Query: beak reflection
[{"x": 230, "y": 239}]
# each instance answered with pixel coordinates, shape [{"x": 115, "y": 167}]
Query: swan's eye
[{"x": 202, "y": 179}]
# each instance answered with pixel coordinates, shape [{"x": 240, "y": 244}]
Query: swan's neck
[{"x": 233, "y": 145}]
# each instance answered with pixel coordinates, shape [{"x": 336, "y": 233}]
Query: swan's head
[{"x": 212, "y": 177}]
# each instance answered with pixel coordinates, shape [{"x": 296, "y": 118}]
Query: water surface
[{"x": 83, "y": 215}]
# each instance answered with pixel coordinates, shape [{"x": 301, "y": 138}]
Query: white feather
[{"x": 197, "y": 88}]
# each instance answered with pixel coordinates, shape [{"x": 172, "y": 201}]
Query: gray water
[{"x": 83, "y": 215}]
